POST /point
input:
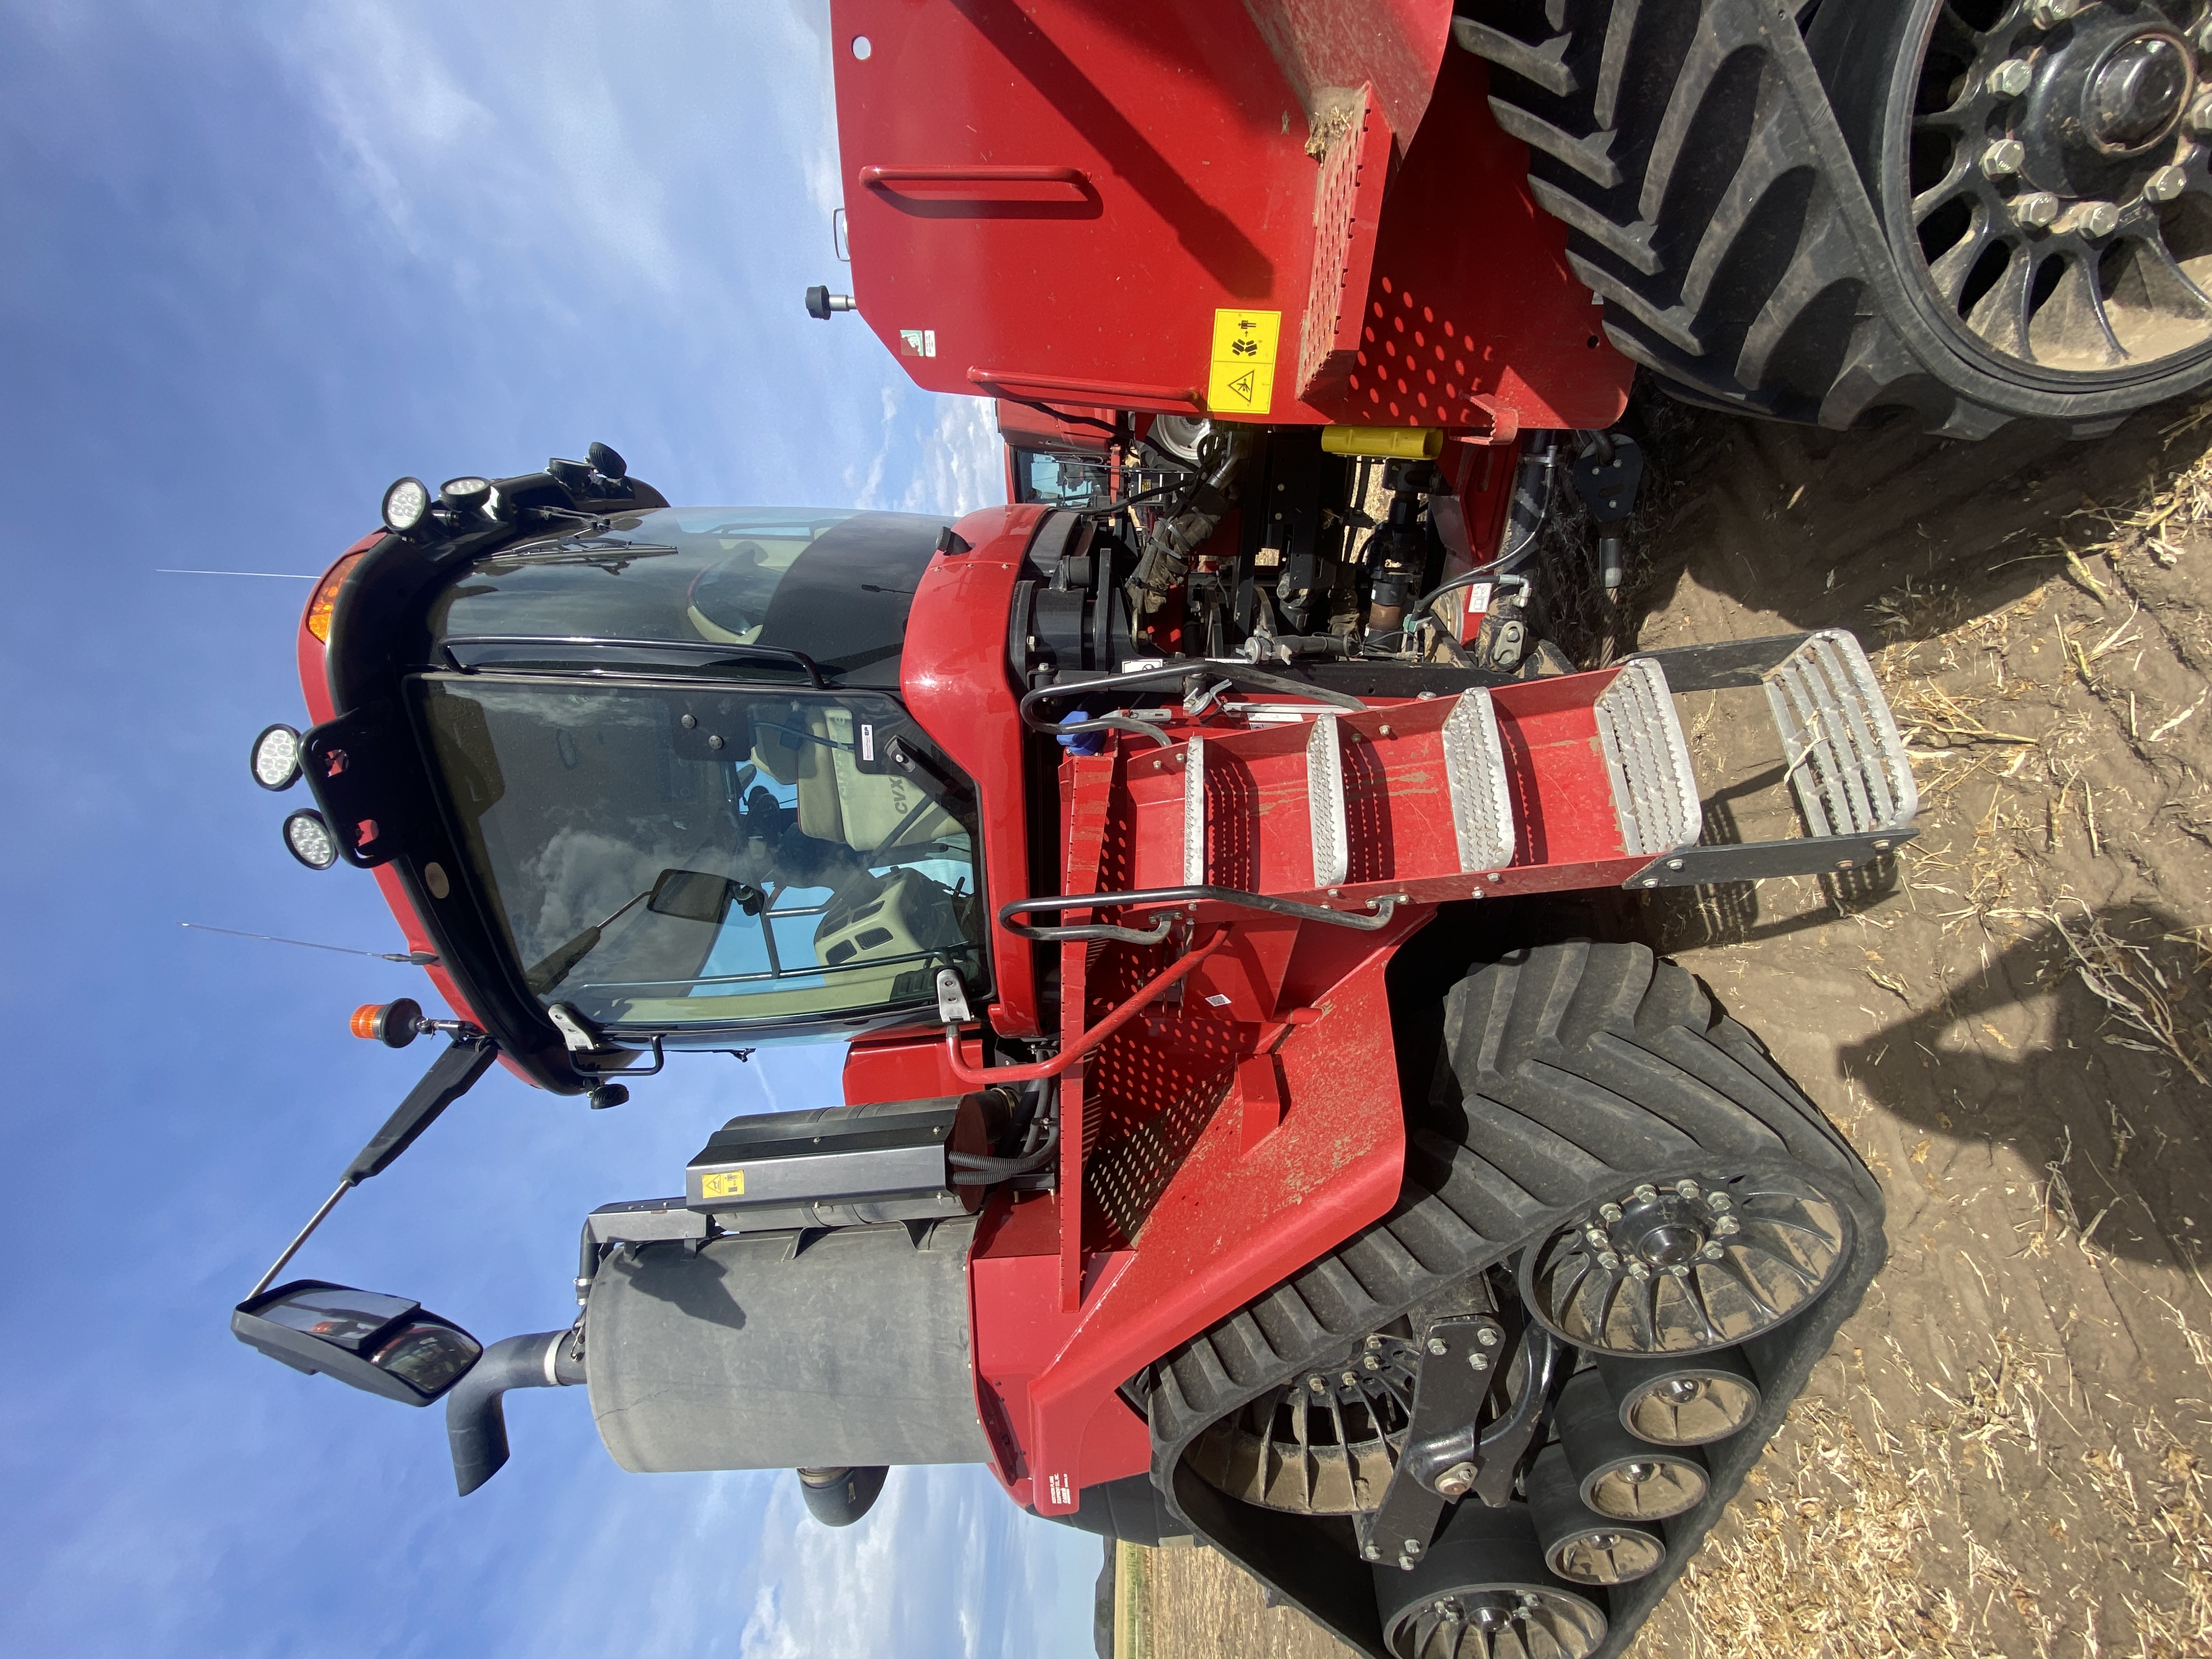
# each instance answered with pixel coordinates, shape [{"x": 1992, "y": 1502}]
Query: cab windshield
[
  {"x": 834, "y": 586},
  {"x": 669, "y": 856}
]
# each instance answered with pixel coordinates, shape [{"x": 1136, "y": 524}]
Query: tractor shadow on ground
[{"x": 2074, "y": 1047}]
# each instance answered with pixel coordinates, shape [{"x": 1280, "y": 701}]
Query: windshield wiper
[
  {"x": 563, "y": 962},
  {"x": 611, "y": 556},
  {"x": 689, "y": 894}
]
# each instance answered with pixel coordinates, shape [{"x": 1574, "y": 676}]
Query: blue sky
[{"x": 259, "y": 259}]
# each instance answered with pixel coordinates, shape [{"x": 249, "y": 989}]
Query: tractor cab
[{"x": 650, "y": 773}]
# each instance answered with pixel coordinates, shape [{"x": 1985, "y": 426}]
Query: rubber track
[
  {"x": 1712, "y": 201},
  {"x": 1575, "y": 1068}
]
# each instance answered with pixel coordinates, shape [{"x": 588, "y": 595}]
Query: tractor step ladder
[{"x": 1580, "y": 780}]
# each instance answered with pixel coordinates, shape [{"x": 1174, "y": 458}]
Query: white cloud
[
  {"x": 540, "y": 153},
  {"x": 962, "y": 465}
]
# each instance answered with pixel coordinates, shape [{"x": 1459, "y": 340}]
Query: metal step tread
[
  {"x": 1655, "y": 788},
  {"x": 1846, "y": 762}
]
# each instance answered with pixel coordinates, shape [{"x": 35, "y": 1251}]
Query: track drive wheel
[
  {"x": 1573, "y": 1082},
  {"x": 2038, "y": 166},
  {"x": 1978, "y": 211}
]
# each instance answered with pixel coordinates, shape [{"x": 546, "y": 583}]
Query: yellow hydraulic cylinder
[{"x": 1394, "y": 443}]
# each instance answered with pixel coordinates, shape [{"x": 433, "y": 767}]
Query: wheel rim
[
  {"x": 1500, "y": 1621},
  {"x": 2056, "y": 181},
  {"x": 1326, "y": 1442},
  {"x": 1689, "y": 1266},
  {"x": 1689, "y": 1408},
  {"x": 1604, "y": 1554}
]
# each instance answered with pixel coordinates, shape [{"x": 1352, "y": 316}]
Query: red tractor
[{"x": 1239, "y": 1141}]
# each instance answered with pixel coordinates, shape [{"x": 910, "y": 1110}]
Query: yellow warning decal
[
  {"x": 1242, "y": 378},
  {"x": 722, "y": 1183}
]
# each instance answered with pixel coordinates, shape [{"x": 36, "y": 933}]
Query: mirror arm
[
  {"x": 467, "y": 1057},
  {"x": 452, "y": 1075},
  {"x": 300, "y": 1239}
]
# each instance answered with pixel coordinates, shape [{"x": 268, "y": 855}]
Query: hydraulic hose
[
  {"x": 975, "y": 1169},
  {"x": 1168, "y": 550},
  {"x": 476, "y": 1421}
]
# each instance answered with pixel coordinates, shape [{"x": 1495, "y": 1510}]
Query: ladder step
[
  {"x": 1325, "y": 801},
  {"x": 1846, "y": 761},
  {"x": 1474, "y": 769},
  {"x": 1655, "y": 789}
]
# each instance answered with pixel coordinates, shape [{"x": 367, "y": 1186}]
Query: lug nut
[
  {"x": 1373, "y": 1343},
  {"x": 1608, "y": 1211},
  {"x": 1317, "y": 1384},
  {"x": 1638, "y": 1270},
  {"x": 1644, "y": 1193},
  {"x": 2003, "y": 159},
  {"x": 1685, "y": 1189},
  {"x": 2035, "y": 210},
  {"x": 1679, "y": 1271},
  {"x": 2096, "y": 218},
  {"x": 1719, "y": 1203},
  {"x": 1372, "y": 1363},
  {"x": 1478, "y": 1362},
  {"x": 2049, "y": 14},
  {"x": 1438, "y": 1347},
  {"x": 2200, "y": 115},
  {"x": 1487, "y": 1336},
  {"x": 1350, "y": 1379},
  {"x": 1713, "y": 1252},
  {"x": 1726, "y": 1226},
  {"x": 1608, "y": 1261},
  {"x": 2166, "y": 184},
  {"x": 2009, "y": 80}
]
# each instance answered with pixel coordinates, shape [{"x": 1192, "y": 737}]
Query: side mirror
[
  {"x": 696, "y": 895},
  {"x": 383, "y": 1344}
]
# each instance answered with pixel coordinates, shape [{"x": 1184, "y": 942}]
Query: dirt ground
[{"x": 2006, "y": 1451}]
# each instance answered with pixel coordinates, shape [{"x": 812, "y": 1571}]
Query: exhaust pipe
[
  {"x": 476, "y": 1422},
  {"x": 838, "y": 1498}
]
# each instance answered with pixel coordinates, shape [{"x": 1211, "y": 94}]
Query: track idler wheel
[
  {"x": 1484, "y": 1592},
  {"x": 1698, "y": 1263}
]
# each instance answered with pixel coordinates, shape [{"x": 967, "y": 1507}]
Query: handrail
[
  {"x": 876, "y": 178},
  {"x": 1235, "y": 897},
  {"x": 1119, "y": 394},
  {"x": 1234, "y": 669},
  {"x": 1090, "y": 1039}
]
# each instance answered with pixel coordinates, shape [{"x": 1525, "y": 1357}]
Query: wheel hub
[
  {"x": 2137, "y": 92},
  {"x": 2104, "y": 94},
  {"x": 2057, "y": 179}
]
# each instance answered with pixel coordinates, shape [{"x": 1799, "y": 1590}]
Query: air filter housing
[
  {"x": 840, "y": 1166},
  {"x": 786, "y": 1351}
]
